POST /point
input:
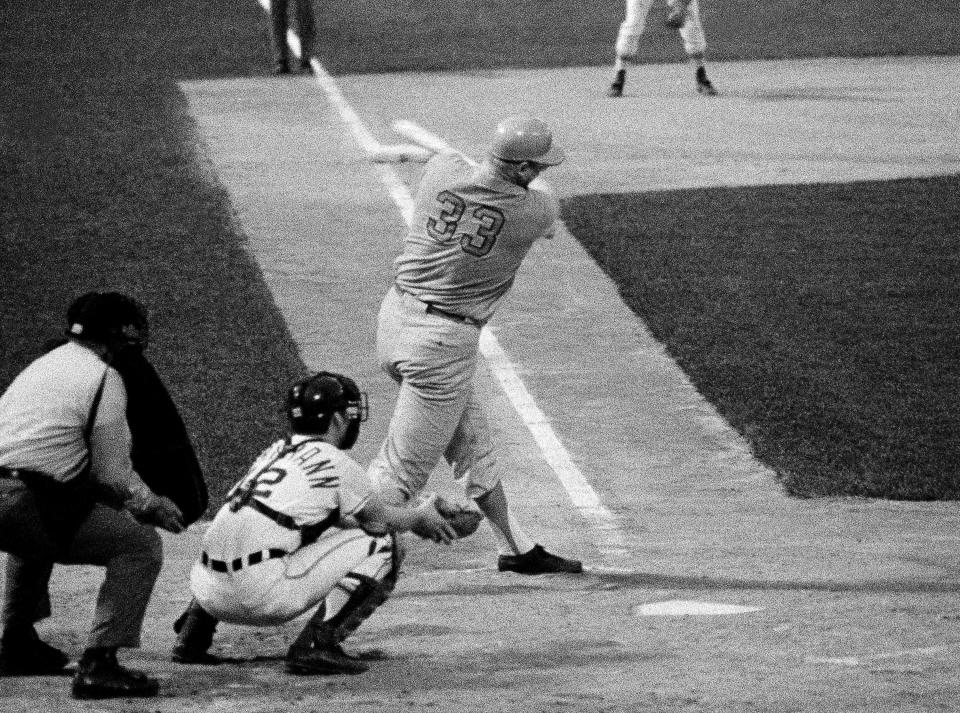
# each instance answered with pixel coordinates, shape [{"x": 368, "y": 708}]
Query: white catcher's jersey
[
  {"x": 302, "y": 478},
  {"x": 470, "y": 232}
]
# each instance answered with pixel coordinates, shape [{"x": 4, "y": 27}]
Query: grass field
[
  {"x": 101, "y": 186},
  {"x": 820, "y": 320}
]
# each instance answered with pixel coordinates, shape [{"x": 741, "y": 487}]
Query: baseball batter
[
  {"x": 291, "y": 537},
  {"x": 684, "y": 16},
  {"x": 471, "y": 230}
]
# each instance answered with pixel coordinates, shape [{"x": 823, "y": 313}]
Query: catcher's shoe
[
  {"x": 538, "y": 561},
  {"x": 323, "y": 659},
  {"x": 704, "y": 85},
  {"x": 616, "y": 87}
]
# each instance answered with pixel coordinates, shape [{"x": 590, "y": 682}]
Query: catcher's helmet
[
  {"x": 525, "y": 138},
  {"x": 107, "y": 318},
  {"x": 311, "y": 402}
]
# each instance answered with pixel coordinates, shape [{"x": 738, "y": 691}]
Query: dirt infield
[{"x": 849, "y": 605}]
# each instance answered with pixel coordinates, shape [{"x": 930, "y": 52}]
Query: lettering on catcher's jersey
[{"x": 303, "y": 479}]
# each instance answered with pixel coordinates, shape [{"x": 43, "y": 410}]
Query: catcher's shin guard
[
  {"x": 368, "y": 595},
  {"x": 317, "y": 649},
  {"x": 195, "y": 629}
]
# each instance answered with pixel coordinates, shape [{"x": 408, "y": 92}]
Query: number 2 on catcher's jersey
[{"x": 444, "y": 226}]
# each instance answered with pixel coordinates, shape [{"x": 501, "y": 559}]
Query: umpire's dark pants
[
  {"x": 131, "y": 553},
  {"x": 306, "y": 28}
]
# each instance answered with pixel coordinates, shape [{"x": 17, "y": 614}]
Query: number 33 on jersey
[{"x": 470, "y": 233}]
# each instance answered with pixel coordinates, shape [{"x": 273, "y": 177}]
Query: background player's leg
[
  {"x": 628, "y": 42},
  {"x": 695, "y": 45},
  {"x": 308, "y": 32},
  {"x": 278, "y": 36}
]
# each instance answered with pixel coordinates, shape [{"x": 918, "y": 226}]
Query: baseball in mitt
[{"x": 464, "y": 520}]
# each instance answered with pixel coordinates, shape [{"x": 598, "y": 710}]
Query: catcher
[{"x": 304, "y": 529}]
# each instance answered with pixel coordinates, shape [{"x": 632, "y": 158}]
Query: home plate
[{"x": 685, "y": 607}]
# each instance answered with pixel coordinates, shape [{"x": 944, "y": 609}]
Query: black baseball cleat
[
  {"x": 281, "y": 67},
  {"x": 306, "y": 67},
  {"x": 704, "y": 85},
  {"x": 326, "y": 659},
  {"x": 182, "y": 653},
  {"x": 100, "y": 676},
  {"x": 616, "y": 87},
  {"x": 538, "y": 561}
]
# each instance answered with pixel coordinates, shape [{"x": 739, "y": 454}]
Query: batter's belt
[{"x": 431, "y": 308}]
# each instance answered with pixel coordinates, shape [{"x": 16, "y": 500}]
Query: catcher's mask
[
  {"x": 108, "y": 318},
  {"x": 312, "y": 402}
]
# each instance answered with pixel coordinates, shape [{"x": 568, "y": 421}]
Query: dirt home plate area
[{"x": 706, "y": 588}]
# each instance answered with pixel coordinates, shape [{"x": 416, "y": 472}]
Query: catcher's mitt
[{"x": 464, "y": 520}]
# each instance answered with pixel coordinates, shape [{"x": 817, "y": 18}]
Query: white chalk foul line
[
  {"x": 870, "y": 658},
  {"x": 377, "y": 152},
  {"x": 610, "y": 539}
]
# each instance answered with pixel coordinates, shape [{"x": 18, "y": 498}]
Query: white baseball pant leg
[
  {"x": 691, "y": 32},
  {"x": 437, "y": 414},
  {"x": 278, "y": 590}
]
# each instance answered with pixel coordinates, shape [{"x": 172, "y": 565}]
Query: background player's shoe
[
  {"x": 305, "y": 66},
  {"x": 704, "y": 85},
  {"x": 538, "y": 561},
  {"x": 282, "y": 66},
  {"x": 616, "y": 88}
]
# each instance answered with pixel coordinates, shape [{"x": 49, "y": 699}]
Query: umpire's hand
[{"x": 160, "y": 511}]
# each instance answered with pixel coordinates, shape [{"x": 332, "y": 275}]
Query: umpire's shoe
[
  {"x": 31, "y": 657},
  {"x": 538, "y": 561},
  {"x": 100, "y": 676},
  {"x": 323, "y": 659}
]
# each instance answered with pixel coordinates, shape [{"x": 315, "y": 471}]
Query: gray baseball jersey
[{"x": 470, "y": 233}]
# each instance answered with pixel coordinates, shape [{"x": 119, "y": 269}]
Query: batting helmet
[
  {"x": 525, "y": 138},
  {"x": 106, "y": 318},
  {"x": 311, "y": 402}
]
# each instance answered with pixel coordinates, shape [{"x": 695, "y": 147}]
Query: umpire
[{"x": 69, "y": 495}]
